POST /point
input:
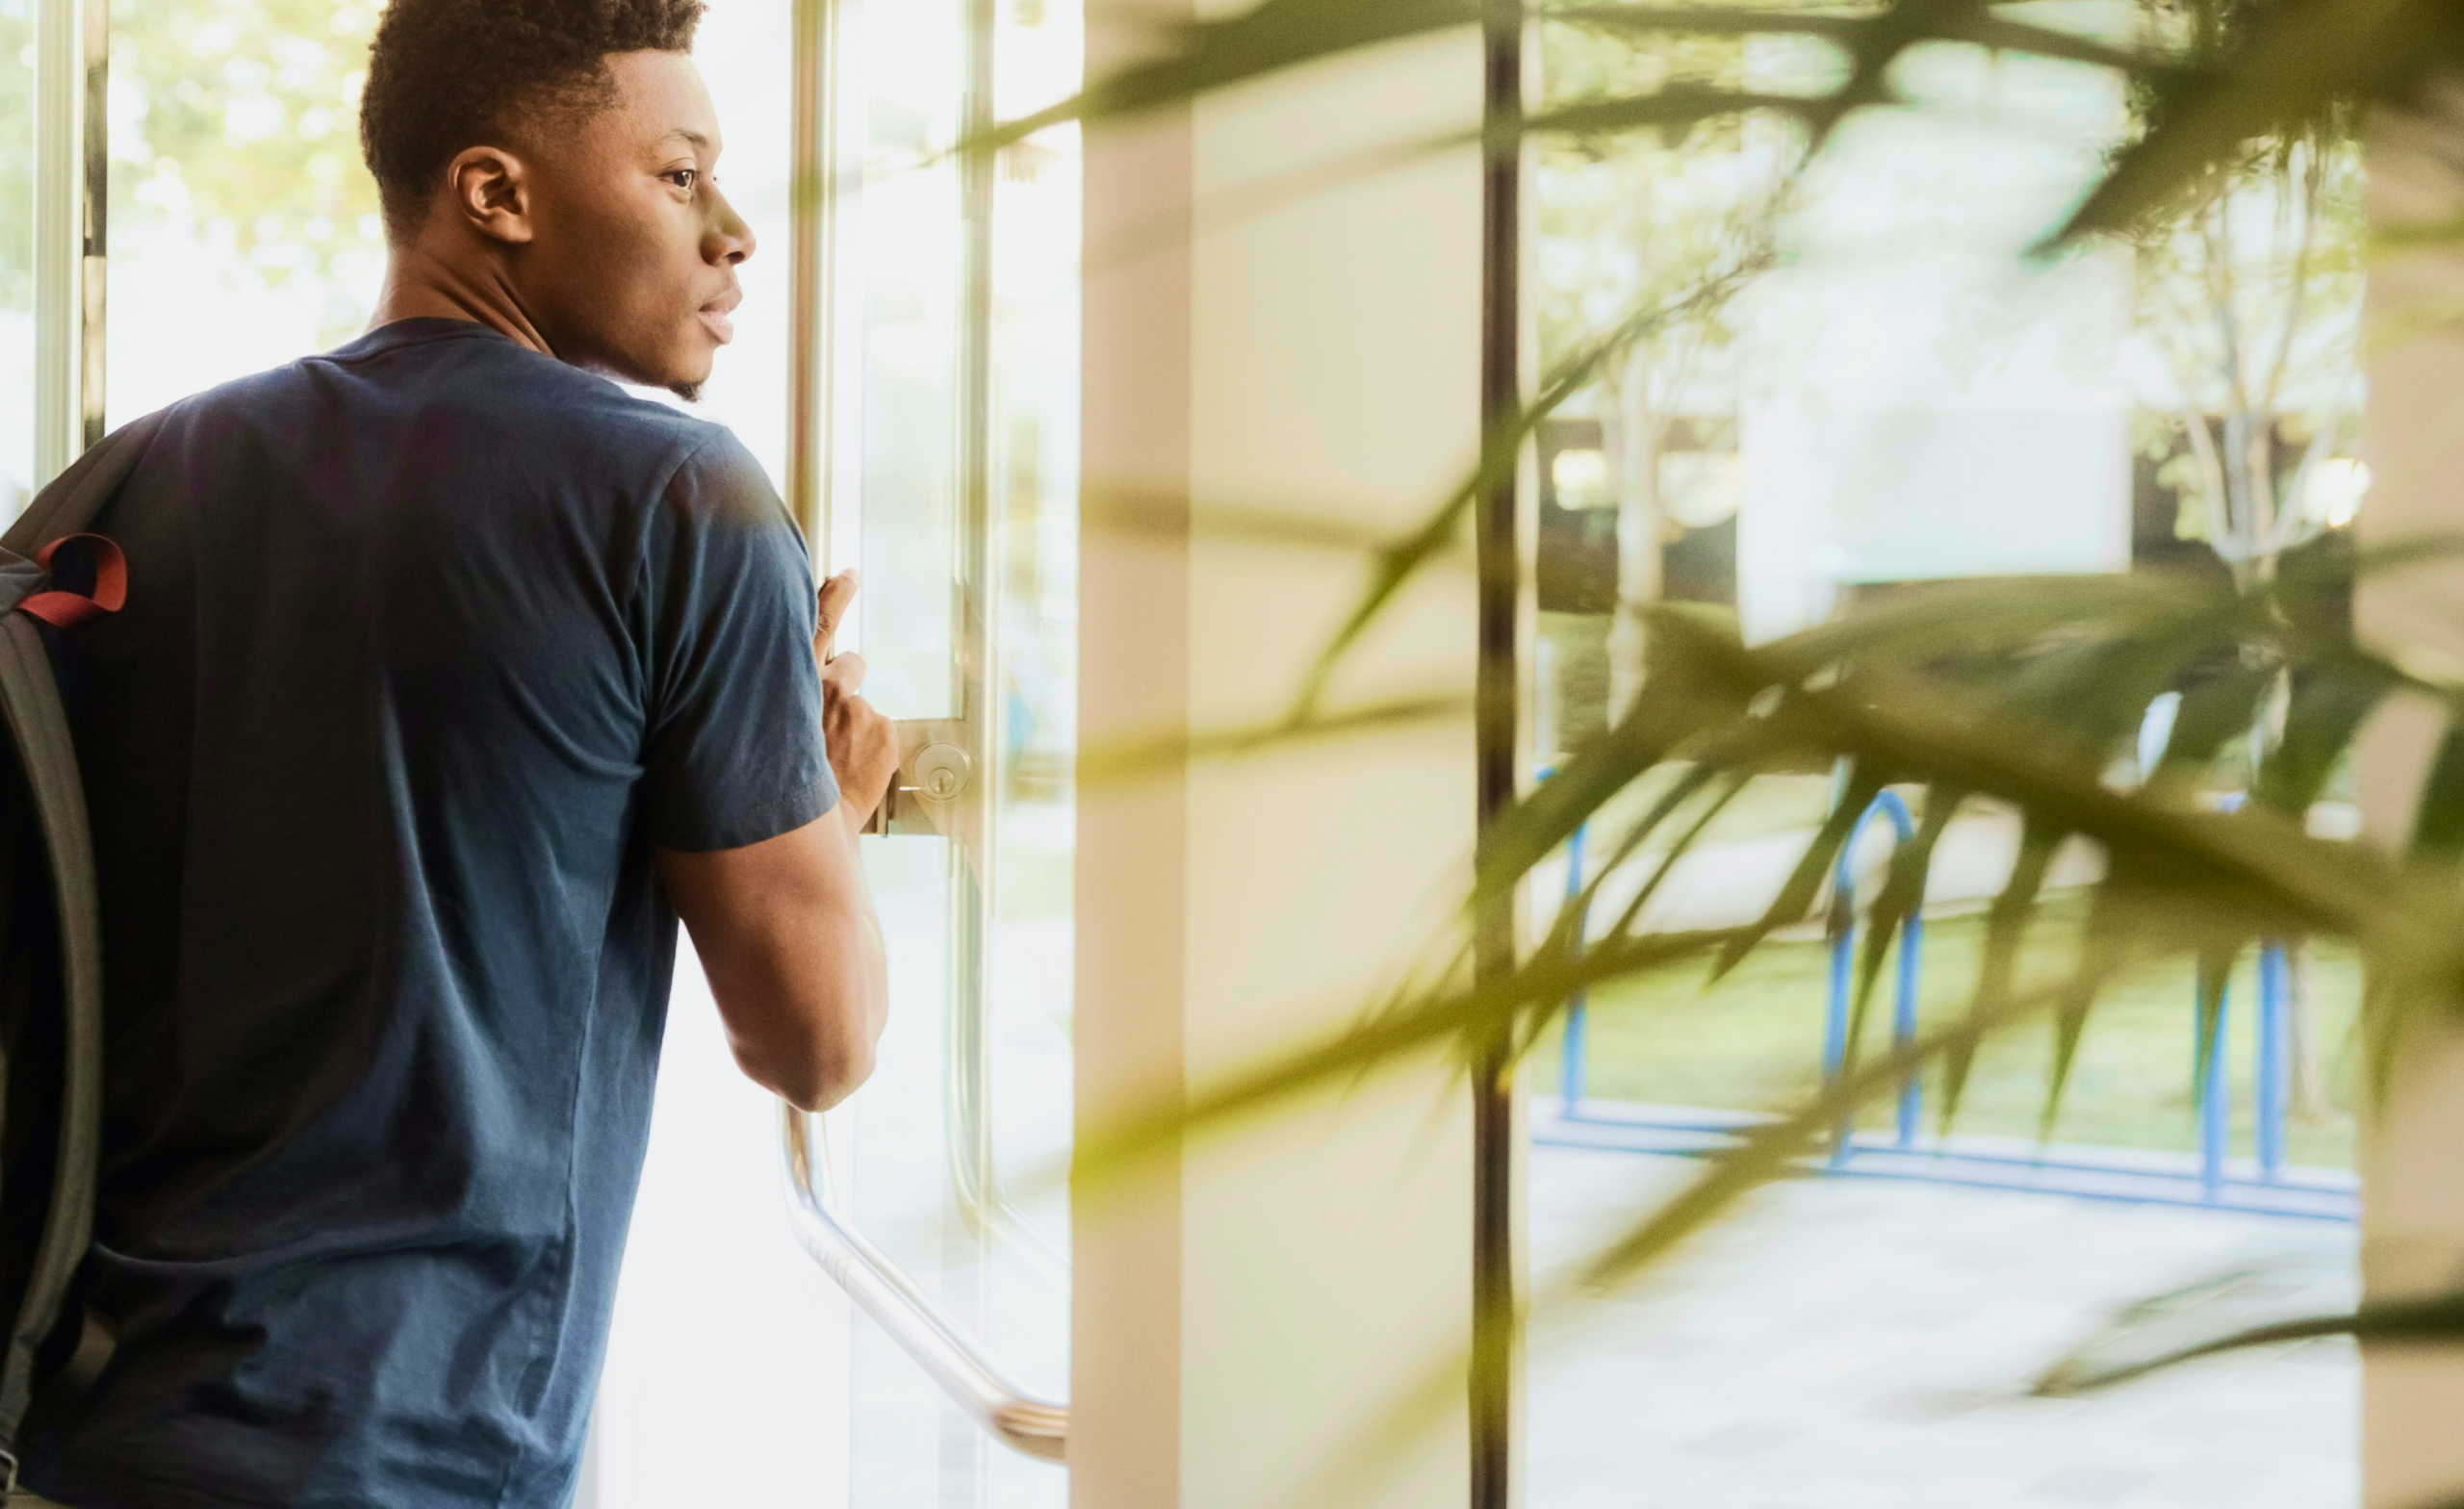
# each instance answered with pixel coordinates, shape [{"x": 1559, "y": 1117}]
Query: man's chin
[
  {"x": 688, "y": 383},
  {"x": 681, "y": 375}
]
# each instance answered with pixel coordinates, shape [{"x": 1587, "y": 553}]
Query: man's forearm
[
  {"x": 793, "y": 951},
  {"x": 872, "y": 953}
]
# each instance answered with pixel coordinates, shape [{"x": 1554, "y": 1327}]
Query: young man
[{"x": 451, "y": 676}]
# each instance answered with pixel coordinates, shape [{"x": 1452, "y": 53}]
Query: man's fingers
[
  {"x": 864, "y": 754},
  {"x": 838, "y": 595},
  {"x": 843, "y": 674}
]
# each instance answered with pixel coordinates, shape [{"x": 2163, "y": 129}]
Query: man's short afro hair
[{"x": 446, "y": 75}]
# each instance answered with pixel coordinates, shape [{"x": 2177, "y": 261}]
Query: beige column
[
  {"x": 2413, "y": 1153},
  {"x": 1252, "y": 1311}
]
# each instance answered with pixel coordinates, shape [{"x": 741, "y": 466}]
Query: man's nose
[{"x": 728, "y": 240}]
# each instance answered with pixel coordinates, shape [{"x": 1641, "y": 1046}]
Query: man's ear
[{"x": 491, "y": 191}]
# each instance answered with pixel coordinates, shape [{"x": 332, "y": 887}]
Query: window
[
  {"x": 1873, "y": 387},
  {"x": 245, "y": 230}
]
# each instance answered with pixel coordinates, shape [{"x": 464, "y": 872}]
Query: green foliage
[
  {"x": 1686, "y": 191},
  {"x": 2248, "y": 286},
  {"x": 16, "y": 154},
  {"x": 2262, "y": 70},
  {"x": 233, "y": 122},
  {"x": 237, "y": 121},
  {"x": 2434, "y": 1322}
]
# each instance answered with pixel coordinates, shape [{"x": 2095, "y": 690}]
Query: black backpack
[{"x": 52, "y": 572}]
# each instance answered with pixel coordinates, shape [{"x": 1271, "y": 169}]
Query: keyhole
[{"x": 941, "y": 772}]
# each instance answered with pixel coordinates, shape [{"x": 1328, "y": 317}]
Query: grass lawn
[{"x": 1755, "y": 1042}]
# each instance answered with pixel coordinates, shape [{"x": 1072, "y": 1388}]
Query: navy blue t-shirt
[{"x": 429, "y": 641}]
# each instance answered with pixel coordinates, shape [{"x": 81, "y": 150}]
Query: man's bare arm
[
  {"x": 785, "y": 927},
  {"x": 787, "y": 934}
]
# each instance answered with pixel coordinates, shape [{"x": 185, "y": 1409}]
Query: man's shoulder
[{"x": 452, "y": 380}]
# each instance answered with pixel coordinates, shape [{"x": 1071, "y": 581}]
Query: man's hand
[{"x": 862, "y": 745}]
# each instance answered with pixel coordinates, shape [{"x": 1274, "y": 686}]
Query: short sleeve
[{"x": 734, "y": 743}]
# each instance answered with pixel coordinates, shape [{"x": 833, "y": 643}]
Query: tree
[
  {"x": 2249, "y": 299},
  {"x": 1633, "y": 221},
  {"x": 235, "y": 123}
]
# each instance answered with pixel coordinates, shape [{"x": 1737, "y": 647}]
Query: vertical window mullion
[{"x": 71, "y": 171}]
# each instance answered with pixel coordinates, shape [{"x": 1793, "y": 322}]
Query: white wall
[{"x": 1271, "y": 1294}]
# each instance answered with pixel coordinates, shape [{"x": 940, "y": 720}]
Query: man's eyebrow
[{"x": 696, "y": 138}]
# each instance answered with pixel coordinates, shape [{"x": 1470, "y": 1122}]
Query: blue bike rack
[
  {"x": 1574, "y": 1049},
  {"x": 2127, "y": 1175},
  {"x": 1843, "y": 955},
  {"x": 2271, "y": 1081},
  {"x": 2273, "y": 1076}
]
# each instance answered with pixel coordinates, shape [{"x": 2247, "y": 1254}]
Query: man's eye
[{"x": 684, "y": 178}]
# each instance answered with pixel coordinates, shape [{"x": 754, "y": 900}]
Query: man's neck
[{"x": 420, "y": 285}]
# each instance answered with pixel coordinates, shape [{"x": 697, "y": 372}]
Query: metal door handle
[{"x": 1019, "y": 1420}]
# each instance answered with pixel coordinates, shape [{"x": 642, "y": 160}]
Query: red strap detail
[{"x": 63, "y": 609}]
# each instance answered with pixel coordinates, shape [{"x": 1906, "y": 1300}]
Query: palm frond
[
  {"x": 2438, "y": 830},
  {"x": 1398, "y": 563},
  {"x": 2325, "y": 715},
  {"x": 2437, "y": 1320},
  {"x": 2289, "y": 63},
  {"x": 2006, "y": 925},
  {"x": 1901, "y": 897},
  {"x": 1445, "y": 1019},
  {"x": 1887, "y": 703},
  {"x": 1769, "y": 1151},
  {"x": 1865, "y": 781}
]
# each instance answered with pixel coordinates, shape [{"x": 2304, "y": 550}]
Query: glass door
[{"x": 943, "y": 389}]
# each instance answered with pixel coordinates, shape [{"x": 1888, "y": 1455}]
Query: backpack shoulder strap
[
  {"x": 30, "y": 700},
  {"x": 72, "y": 499},
  {"x": 38, "y": 725}
]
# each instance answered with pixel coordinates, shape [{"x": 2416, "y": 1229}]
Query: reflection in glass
[
  {"x": 1894, "y": 393},
  {"x": 909, "y": 250}
]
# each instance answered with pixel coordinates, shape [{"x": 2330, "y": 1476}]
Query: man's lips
[{"x": 715, "y": 318}]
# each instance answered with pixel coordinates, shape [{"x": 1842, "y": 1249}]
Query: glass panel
[
  {"x": 1906, "y": 396},
  {"x": 741, "y": 52},
  {"x": 1033, "y": 706},
  {"x": 1035, "y": 701},
  {"x": 907, "y": 246},
  {"x": 955, "y": 462},
  {"x": 244, "y": 228},
  {"x": 17, "y": 255},
  {"x": 909, "y": 1448}
]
